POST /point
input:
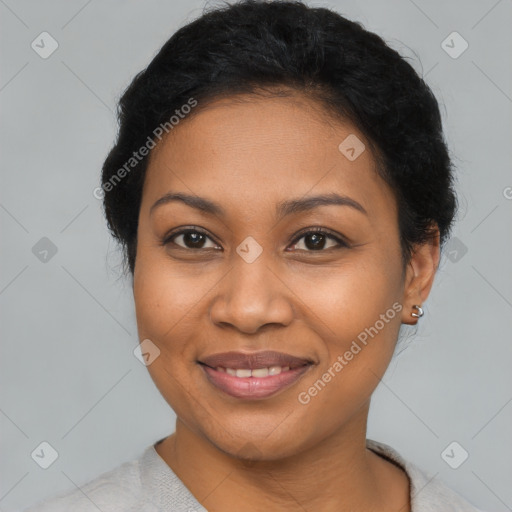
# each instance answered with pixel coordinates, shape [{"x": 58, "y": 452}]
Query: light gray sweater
[{"x": 148, "y": 484}]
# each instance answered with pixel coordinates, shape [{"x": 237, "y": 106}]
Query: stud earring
[{"x": 419, "y": 314}]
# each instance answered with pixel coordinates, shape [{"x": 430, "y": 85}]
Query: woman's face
[{"x": 250, "y": 279}]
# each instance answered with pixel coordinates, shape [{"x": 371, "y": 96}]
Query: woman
[{"x": 281, "y": 188}]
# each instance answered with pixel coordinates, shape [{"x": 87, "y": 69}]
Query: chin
[{"x": 250, "y": 446}]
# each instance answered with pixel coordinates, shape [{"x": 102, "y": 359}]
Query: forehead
[{"x": 247, "y": 148}]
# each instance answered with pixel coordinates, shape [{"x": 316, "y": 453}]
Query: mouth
[{"x": 253, "y": 376}]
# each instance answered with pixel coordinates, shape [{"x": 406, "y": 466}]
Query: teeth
[
  {"x": 257, "y": 372},
  {"x": 260, "y": 372},
  {"x": 276, "y": 370}
]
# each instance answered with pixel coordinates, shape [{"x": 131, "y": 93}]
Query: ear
[{"x": 420, "y": 274}]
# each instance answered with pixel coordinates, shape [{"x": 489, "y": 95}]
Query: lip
[
  {"x": 253, "y": 388},
  {"x": 254, "y": 360}
]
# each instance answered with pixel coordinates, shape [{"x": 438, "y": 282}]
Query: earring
[{"x": 419, "y": 314}]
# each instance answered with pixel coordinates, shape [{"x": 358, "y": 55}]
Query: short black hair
[{"x": 255, "y": 45}]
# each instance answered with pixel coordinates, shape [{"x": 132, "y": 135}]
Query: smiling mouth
[
  {"x": 255, "y": 383},
  {"x": 256, "y": 372}
]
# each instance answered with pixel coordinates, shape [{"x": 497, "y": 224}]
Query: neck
[{"x": 340, "y": 473}]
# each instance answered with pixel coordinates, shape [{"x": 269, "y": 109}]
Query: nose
[{"x": 251, "y": 296}]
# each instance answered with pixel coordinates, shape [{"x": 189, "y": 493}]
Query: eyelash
[
  {"x": 342, "y": 244},
  {"x": 313, "y": 230}
]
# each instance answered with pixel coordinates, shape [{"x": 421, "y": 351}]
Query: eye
[
  {"x": 190, "y": 239},
  {"x": 317, "y": 239}
]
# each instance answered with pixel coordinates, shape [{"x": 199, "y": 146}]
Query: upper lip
[{"x": 253, "y": 360}]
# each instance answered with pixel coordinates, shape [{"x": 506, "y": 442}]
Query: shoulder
[
  {"x": 428, "y": 493},
  {"x": 146, "y": 484},
  {"x": 113, "y": 491}
]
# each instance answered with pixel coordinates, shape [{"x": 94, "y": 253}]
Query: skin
[{"x": 247, "y": 154}]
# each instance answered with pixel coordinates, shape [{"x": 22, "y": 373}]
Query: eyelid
[
  {"x": 181, "y": 230},
  {"x": 318, "y": 229},
  {"x": 342, "y": 242}
]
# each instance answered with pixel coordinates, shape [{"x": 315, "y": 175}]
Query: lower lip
[{"x": 253, "y": 387}]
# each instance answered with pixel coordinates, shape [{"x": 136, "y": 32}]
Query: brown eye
[
  {"x": 191, "y": 239},
  {"x": 317, "y": 240}
]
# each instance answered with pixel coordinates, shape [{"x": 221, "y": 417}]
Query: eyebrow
[
  {"x": 199, "y": 203},
  {"x": 285, "y": 208},
  {"x": 309, "y": 203}
]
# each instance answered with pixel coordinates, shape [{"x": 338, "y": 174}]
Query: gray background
[{"x": 68, "y": 373}]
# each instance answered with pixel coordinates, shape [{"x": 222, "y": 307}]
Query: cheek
[
  {"x": 357, "y": 313},
  {"x": 166, "y": 296},
  {"x": 166, "y": 312},
  {"x": 350, "y": 297}
]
